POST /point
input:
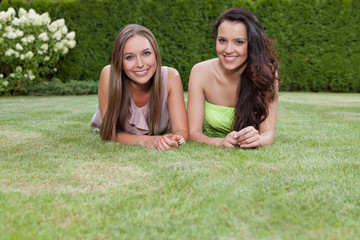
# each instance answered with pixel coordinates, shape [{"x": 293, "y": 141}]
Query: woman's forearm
[
  {"x": 182, "y": 133},
  {"x": 267, "y": 138},
  {"x": 200, "y": 137},
  {"x": 142, "y": 140}
]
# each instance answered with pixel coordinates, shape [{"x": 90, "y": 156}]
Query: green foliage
[
  {"x": 57, "y": 87},
  {"x": 317, "y": 40}
]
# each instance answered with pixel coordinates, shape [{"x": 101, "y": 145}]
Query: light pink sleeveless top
[{"x": 136, "y": 122}]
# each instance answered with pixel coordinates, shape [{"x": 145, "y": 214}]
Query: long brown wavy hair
[
  {"x": 119, "y": 86},
  {"x": 258, "y": 86}
]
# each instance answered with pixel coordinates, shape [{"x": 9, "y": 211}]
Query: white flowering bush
[{"x": 30, "y": 47}]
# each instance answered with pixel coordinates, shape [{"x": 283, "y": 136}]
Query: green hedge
[
  {"x": 317, "y": 40},
  {"x": 57, "y": 87}
]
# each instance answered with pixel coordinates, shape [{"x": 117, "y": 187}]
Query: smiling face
[
  {"x": 139, "y": 60},
  {"x": 232, "y": 45}
]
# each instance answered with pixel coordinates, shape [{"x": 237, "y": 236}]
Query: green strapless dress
[{"x": 218, "y": 120}]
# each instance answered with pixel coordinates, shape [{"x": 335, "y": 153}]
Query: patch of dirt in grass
[
  {"x": 10, "y": 137},
  {"x": 82, "y": 177},
  {"x": 108, "y": 174}
]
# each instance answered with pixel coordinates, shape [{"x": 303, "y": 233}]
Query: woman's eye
[
  {"x": 221, "y": 40},
  {"x": 239, "y": 42},
  {"x": 129, "y": 57},
  {"x": 147, "y": 53}
]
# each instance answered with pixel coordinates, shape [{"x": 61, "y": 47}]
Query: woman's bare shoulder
[
  {"x": 205, "y": 65},
  {"x": 172, "y": 72},
  {"x": 106, "y": 68},
  {"x": 204, "y": 71},
  {"x": 105, "y": 74},
  {"x": 173, "y": 79}
]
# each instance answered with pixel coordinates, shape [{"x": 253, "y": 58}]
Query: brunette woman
[
  {"x": 140, "y": 100},
  {"x": 236, "y": 93}
]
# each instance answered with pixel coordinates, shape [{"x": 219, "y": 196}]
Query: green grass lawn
[{"x": 58, "y": 180}]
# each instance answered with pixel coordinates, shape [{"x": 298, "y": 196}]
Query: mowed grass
[{"x": 58, "y": 180}]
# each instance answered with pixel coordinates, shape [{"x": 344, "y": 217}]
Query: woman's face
[
  {"x": 139, "y": 61},
  {"x": 232, "y": 45}
]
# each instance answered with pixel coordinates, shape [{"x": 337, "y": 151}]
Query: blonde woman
[{"x": 140, "y": 100}]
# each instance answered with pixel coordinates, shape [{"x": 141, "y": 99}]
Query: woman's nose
[
  {"x": 229, "y": 49},
  {"x": 139, "y": 62}
]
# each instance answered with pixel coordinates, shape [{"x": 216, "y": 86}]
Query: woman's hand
[
  {"x": 248, "y": 137},
  {"x": 168, "y": 142},
  {"x": 230, "y": 141}
]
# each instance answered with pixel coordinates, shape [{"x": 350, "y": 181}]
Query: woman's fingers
[
  {"x": 177, "y": 138},
  {"x": 228, "y": 144},
  {"x": 247, "y": 133},
  {"x": 232, "y": 137},
  {"x": 166, "y": 142},
  {"x": 172, "y": 143},
  {"x": 159, "y": 145},
  {"x": 230, "y": 141},
  {"x": 250, "y": 142},
  {"x": 250, "y": 145}
]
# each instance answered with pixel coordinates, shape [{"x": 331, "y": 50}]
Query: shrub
[
  {"x": 31, "y": 46},
  {"x": 57, "y": 87}
]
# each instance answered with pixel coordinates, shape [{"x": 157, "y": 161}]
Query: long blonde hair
[{"x": 119, "y": 87}]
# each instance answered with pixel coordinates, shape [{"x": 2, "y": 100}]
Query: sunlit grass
[{"x": 59, "y": 180}]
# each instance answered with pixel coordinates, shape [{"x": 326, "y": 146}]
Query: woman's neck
[
  {"x": 140, "y": 93},
  {"x": 231, "y": 75},
  {"x": 140, "y": 88}
]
